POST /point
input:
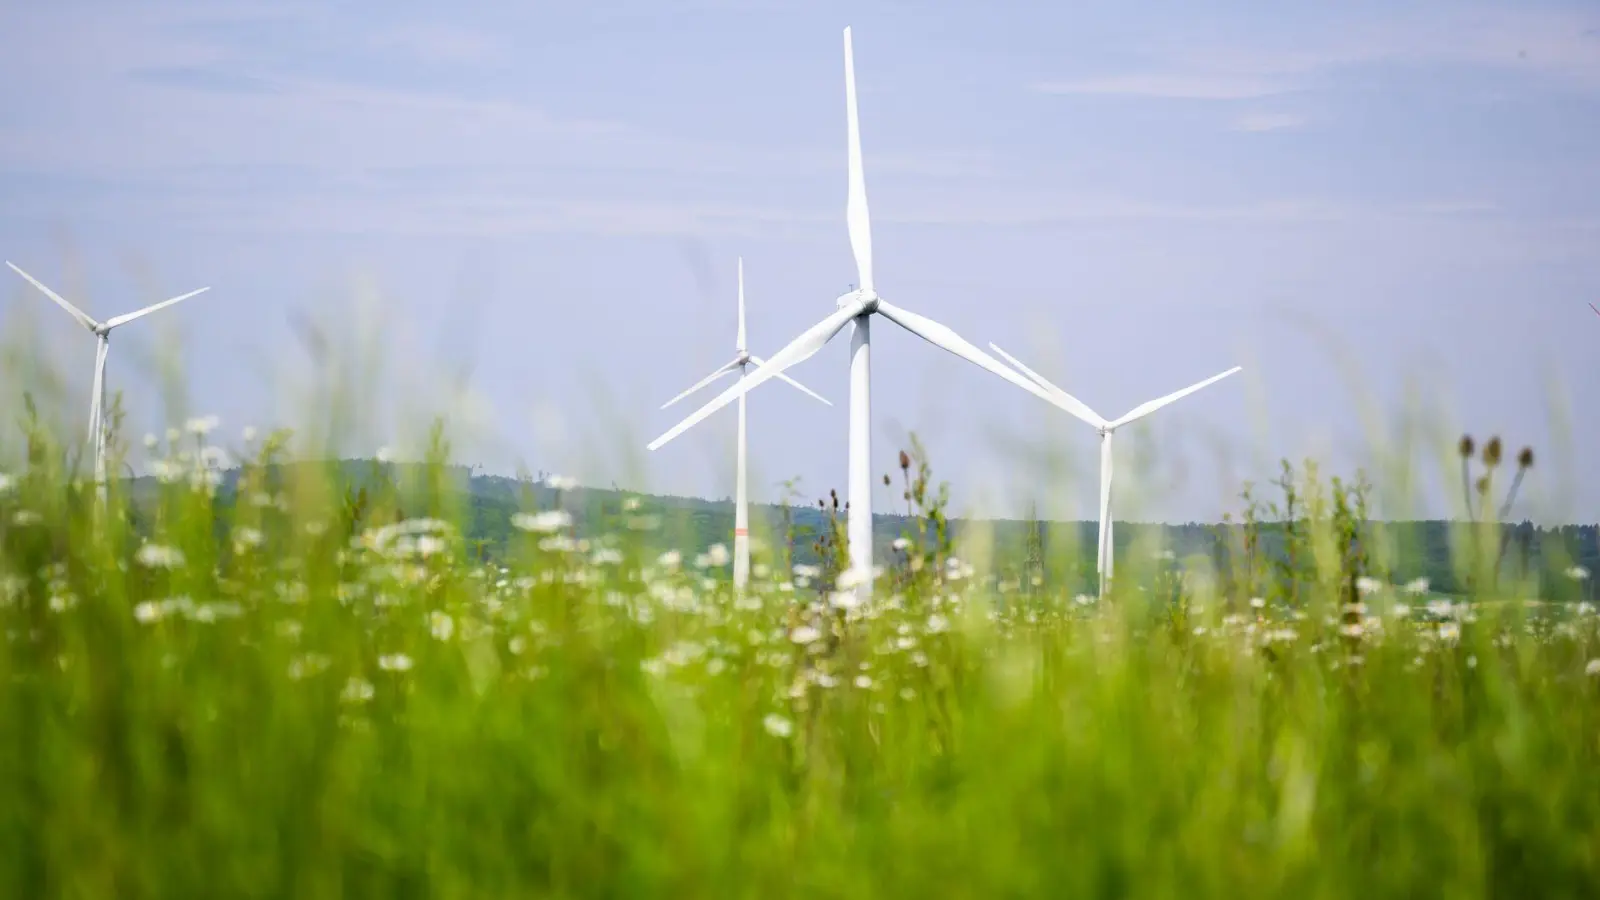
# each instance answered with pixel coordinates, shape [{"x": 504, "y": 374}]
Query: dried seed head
[
  {"x": 1492, "y": 452},
  {"x": 1525, "y": 458},
  {"x": 885, "y": 481},
  {"x": 1466, "y": 446},
  {"x": 1483, "y": 484},
  {"x": 905, "y": 461}
]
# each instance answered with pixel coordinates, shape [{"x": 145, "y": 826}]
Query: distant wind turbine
[
  {"x": 1106, "y": 428},
  {"x": 856, "y": 307},
  {"x": 742, "y": 359},
  {"x": 102, "y": 333},
  {"x": 1595, "y": 308}
]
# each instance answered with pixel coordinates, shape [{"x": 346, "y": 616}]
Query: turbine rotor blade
[
  {"x": 1068, "y": 402},
  {"x": 83, "y": 318},
  {"x": 801, "y": 348},
  {"x": 740, "y": 347},
  {"x": 726, "y": 368},
  {"x": 797, "y": 385},
  {"x": 856, "y": 215},
  {"x": 129, "y": 317},
  {"x": 1595, "y": 308},
  {"x": 946, "y": 339},
  {"x": 1150, "y": 406}
]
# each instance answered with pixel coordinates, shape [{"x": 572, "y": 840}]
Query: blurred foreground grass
[{"x": 298, "y": 692}]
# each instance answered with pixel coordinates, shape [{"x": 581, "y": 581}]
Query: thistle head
[
  {"x": 1492, "y": 452},
  {"x": 905, "y": 461},
  {"x": 1483, "y": 484},
  {"x": 1466, "y": 446},
  {"x": 1525, "y": 458}
]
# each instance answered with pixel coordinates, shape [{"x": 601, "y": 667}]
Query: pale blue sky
[{"x": 1127, "y": 198}]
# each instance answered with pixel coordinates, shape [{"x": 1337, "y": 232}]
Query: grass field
[{"x": 296, "y": 695}]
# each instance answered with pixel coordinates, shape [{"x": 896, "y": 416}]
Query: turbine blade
[
  {"x": 946, "y": 339},
  {"x": 726, "y": 368},
  {"x": 783, "y": 377},
  {"x": 856, "y": 215},
  {"x": 1595, "y": 308},
  {"x": 1150, "y": 406},
  {"x": 1103, "y": 551},
  {"x": 83, "y": 318},
  {"x": 740, "y": 346},
  {"x": 801, "y": 348},
  {"x": 1068, "y": 402},
  {"x": 129, "y": 317}
]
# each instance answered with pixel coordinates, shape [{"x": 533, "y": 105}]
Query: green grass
[{"x": 290, "y": 697}]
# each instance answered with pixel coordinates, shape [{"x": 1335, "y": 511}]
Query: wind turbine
[
  {"x": 1107, "y": 428},
  {"x": 1595, "y": 308},
  {"x": 742, "y": 359},
  {"x": 857, "y": 307},
  {"x": 102, "y": 333}
]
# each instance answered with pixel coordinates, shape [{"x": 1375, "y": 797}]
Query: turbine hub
[
  {"x": 742, "y": 358},
  {"x": 867, "y": 299}
]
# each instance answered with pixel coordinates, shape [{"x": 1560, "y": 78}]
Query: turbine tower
[
  {"x": 1107, "y": 428},
  {"x": 102, "y": 332},
  {"x": 857, "y": 308},
  {"x": 742, "y": 360}
]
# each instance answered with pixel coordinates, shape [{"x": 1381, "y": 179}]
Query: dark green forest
[{"x": 1056, "y": 551}]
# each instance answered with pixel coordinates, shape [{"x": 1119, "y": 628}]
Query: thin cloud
[
  {"x": 443, "y": 44},
  {"x": 1263, "y": 122},
  {"x": 1194, "y": 86}
]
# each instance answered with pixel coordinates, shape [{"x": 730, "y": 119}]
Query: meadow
[{"x": 293, "y": 687}]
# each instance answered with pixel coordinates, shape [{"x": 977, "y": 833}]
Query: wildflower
[
  {"x": 312, "y": 663},
  {"x": 22, "y": 518},
  {"x": 428, "y": 545},
  {"x": 202, "y": 426},
  {"x": 1367, "y": 585},
  {"x": 357, "y": 690},
  {"x": 517, "y": 645},
  {"x": 802, "y": 570},
  {"x": 1258, "y": 603},
  {"x": 714, "y": 666},
  {"x": 561, "y": 482},
  {"x": 249, "y": 434},
  {"x": 1449, "y": 631},
  {"x": 149, "y": 612},
  {"x": 245, "y": 538},
  {"x": 1400, "y": 610},
  {"x": 901, "y": 543},
  {"x": 1417, "y": 586},
  {"x": 150, "y": 441},
  {"x": 1472, "y": 662},
  {"x": 394, "y": 662},
  {"x": 670, "y": 560},
  {"x": 938, "y": 624},
  {"x": 441, "y": 626},
  {"x": 777, "y": 725},
  {"x": 384, "y": 454},
  {"x": 823, "y": 679},
  {"x": 606, "y": 556},
  {"x": 717, "y": 555},
  {"x": 1593, "y": 668},
  {"x": 173, "y": 434},
  {"x": 1578, "y": 573},
  {"x": 805, "y": 634},
  {"x": 1354, "y": 629},
  {"x": 846, "y": 600},
  {"x": 158, "y": 556},
  {"x": 1083, "y": 599},
  {"x": 630, "y": 504},
  {"x": 864, "y": 682},
  {"x": 7, "y": 482},
  {"x": 544, "y": 522}
]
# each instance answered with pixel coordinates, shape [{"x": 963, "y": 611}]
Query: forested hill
[{"x": 692, "y": 524}]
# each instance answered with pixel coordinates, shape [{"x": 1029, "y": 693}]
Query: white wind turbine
[
  {"x": 742, "y": 359},
  {"x": 102, "y": 333},
  {"x": 857, "y": 308},
  {"x": 1107, "y": 428}
]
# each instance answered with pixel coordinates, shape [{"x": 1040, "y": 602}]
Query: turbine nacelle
[{"x": 866, "y": 301}]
